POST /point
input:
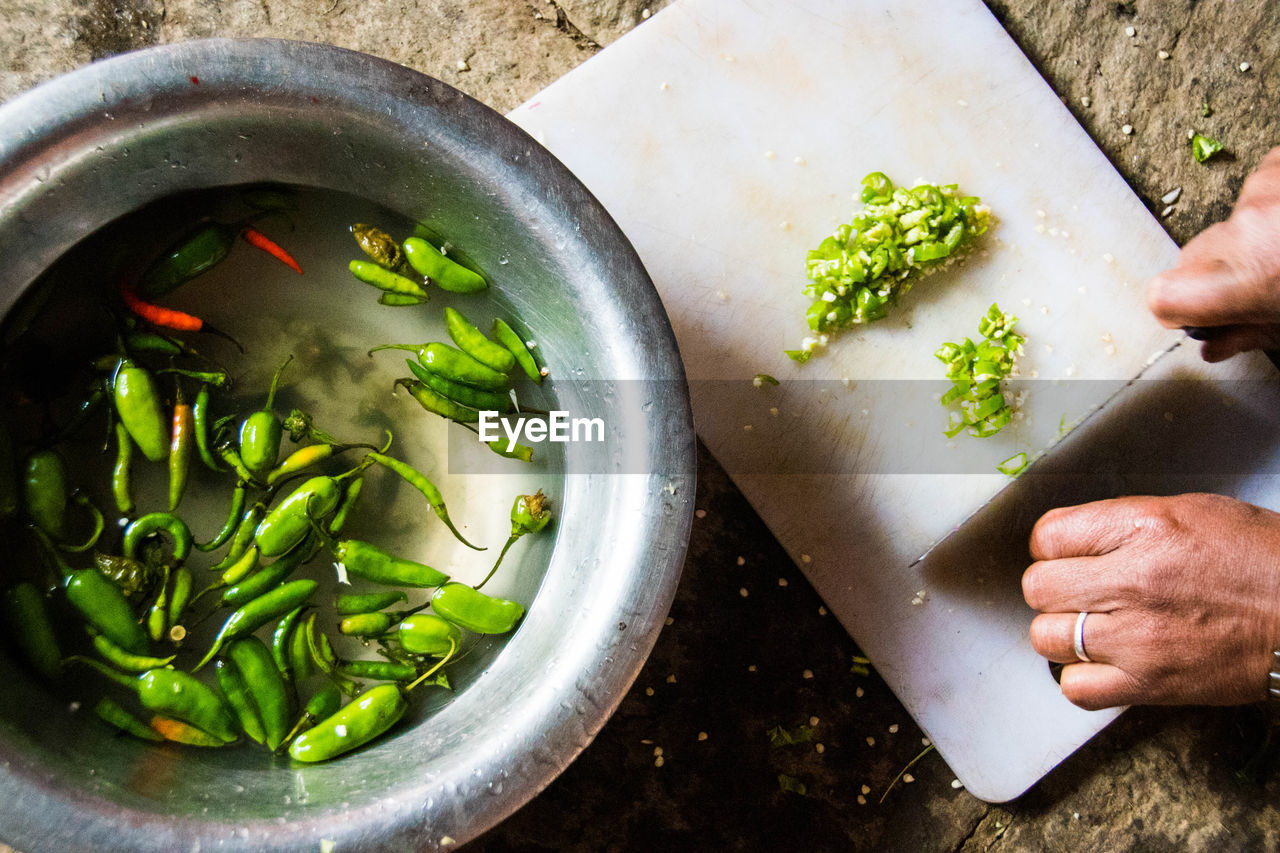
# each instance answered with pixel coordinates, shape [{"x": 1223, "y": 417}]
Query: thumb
[{"x": 1208, "y": 294}]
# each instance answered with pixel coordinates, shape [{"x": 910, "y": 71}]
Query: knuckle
[{"x": 1041, "y": 635}]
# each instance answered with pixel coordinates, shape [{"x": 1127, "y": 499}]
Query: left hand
[{"x": 1183, "y": 595}]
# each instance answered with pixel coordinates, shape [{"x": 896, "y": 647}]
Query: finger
[
  {"x": 1094, "y": 686},
  {"x": 1083, "y": 530},
  {"x": 1231, "y": 340},
  {"x": 1053, "y": 635},
  {"x": 1209, "y": 292},
  {"x": 1073, "y": 584}
]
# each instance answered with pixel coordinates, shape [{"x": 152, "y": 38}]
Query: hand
[
  {"x": 1183, "y": 595},
  {"x": 1229, "y": 275}
]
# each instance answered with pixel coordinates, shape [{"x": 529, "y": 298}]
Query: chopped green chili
[{"x": 976, "y": 370}]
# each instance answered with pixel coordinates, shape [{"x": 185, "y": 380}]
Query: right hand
[{"x": 1229, "y": 275}]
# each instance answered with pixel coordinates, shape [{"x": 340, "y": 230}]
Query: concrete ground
[{"x": 1199, "y": 779}]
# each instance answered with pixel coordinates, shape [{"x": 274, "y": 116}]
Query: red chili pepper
[
  {"x": 158, "y": 315},
  {"x": 258, "y": 240}
]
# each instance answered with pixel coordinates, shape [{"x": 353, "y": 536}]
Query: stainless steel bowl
[{"x": 106, "y": 139}]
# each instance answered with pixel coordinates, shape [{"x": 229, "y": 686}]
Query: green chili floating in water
[
  {"x": 529, "y": 514},
  {"x": 121, "y": 478},
  {"x": 288, "y": 524},
  {"x": 391, "y": 283},
  {"x": 428, "y": 634},
  {"x": 236, "y": 692},
  {"x": 437, "y": 403},
  {"x": 261, "y": 432},
  {"x": 158, "y": 615},
  {"x": 232, "y": 523},
  {"x": 324, "y": 703},
  {"x": 175, "y": 694},
  {"x": 454, "y": 365},
  {"x": 45, "y": 492},
  {"x": 369, "y": 602},
  {"x": 516, "y": 345},
  {"x": 475, "y": 611},
  {"x": 368, "y": 561},
  {"x": 258, "y": 612},
  {"x": 179, "y": 598},
  {"x": 447, "y": 274},
  {"x": 399, "y": 300},
  {"x": 113, "y": 713},
  {"x": 103, "y": 606},
  {"x": 138, "y": 405},
  {"x": 420, "y": 482},
  {"x": 463, "y": 395},
  {"x": 380, "y": 246},
  {"x": 268, "y": 577},
  {"x": 200, "y": 422},
  {"x": 122, "y": 658},
  {"x": 196, "y": 252},
  {"x": 473, "y": 342},
  {"x": 281, "y": 636},
  {"x": 159, "y": 522},
  {"x": 27, "y": 619},
  {"x": 267, "y": 688},
  {"x": 378, "y": 670}
]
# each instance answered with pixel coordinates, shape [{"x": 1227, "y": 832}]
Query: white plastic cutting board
[{"x": 727, "y": 137}]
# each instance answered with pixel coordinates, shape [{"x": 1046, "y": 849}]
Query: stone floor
[{"x": 1199, "y": 779}]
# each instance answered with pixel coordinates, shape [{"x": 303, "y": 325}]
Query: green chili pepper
[
  {"x": 449, "y": 275},
  {"x": 99, "y": 524},
  {"x": 440, "y": 405},
  {"x": 287, "y": 524},
  {"x": 243, "y": 536},
  {"x": 1204, "y": 147},
  {"x": 104, "y": 607},
  {"x": 301, "y": 663},
  {"x": 516, "y": 345},
  {"x": 369, "y": 602},
  {"x": 158, "y": 615},
  {"x": 236, "y": 693},
  {"x": 462, "y": 394},
  {"x": 27, "y": 619},
  {"x": 976, "y": 371},
  {"x": 367, "y": 624},
  {"x": 324, "y": 703},
  {"x": 280, "y": 638},
  {"x": 359, "y": 722},
  {"x": 122, "y": 658},
  {"x": 321, "y": 653},
  {"x": 252, "y": 657},
  {"x": 428, "y": 634},
  {"x": 232, "y": 522},
  {"x": 113, "y": 713},
  {"x": 138, "y": 405},
  {"x": 175, "y": 694},
  {"x": 529, "y": 514},
  {"x": 475, "y": 611},
  {"x": 261, "y": 432},
  {"x": 267, "y": 578},
  {"x": 231, "y": 456},
  {"x": 240, "y": 569},
  {"x": 216, "y": 378},
  {"x": 132, "y": 576},
  {"x": 391, "y": 283},
  {"x": 184, "y": 733},
  {"x": 121, "y": 479},
  {"x": 45, "y": 492},
  {"x": 200, "y": 421},
  {"x": 300, "y": 460},
  {"x": 155, "y": 343},
  {"x": 380, "y": 246},
  {"x": 368, "y": 561},
  {"x": 420, "y": 482},
  {"x": 349, "y": 499},
  {"x": 398, "y": 300},
  {"x": 501, "y": 447},
  {"x": 454, "y": 365},
  {"x": 180, "y": 446},
  {"x": 258, "y": 612},
  {"x": 473, "y": 342},
  {"x": 196, "y": 252},
  {"x": 10, "y": 494},
  {"x": 378, "y": 670},
  {"x": 180, "y": 597},
  {"x": 159, "y": 522}
]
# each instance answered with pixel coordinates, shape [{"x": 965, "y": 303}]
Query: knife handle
[{"x": 1206, "y": 333}]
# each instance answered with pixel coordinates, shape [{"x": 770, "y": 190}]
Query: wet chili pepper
[
  {"x": 124, "y": 659},
  {"x": 27, "y": 619},
  {"x": 428, "y": 634},
  {"x": 121, "y": 474},
  {"x": 346, "y": 506},
  {"x": 132, "y": 576},
  {"x": 236, "y": 692},
  {"x": 369, "y": 602},
  {"x": 447, "y": 274},
  {"x": 158, "y": 522},
  {"x": 516, "y": 345},
  {"x": 10, "y": 494},
  {"x": 156, "y": 344},
  {"x": 179, "y": 598},
  {"x": 302, "y": 459},
  {"x": 114, "y": 714},
  {"x": 437, "y": 403},
  {"x": 252, "y": 657},
  {"x": 258, "y": 612},
  {"x": 280, "y": 637},
  {"x": 359, "y": 722},
  {"x": 200, "y": 422},
  {"x": 267, "y": 578},
  {"x": 196, "y": 252},
  {"x": 262, "y": 242},
  {"x": 243, "y": 536},
  {"x": 368, "y": 561},
  {"x": 473, "y": 342},
  {"x": 231, "y": 456},
  {"x": 502, "y": 447},
  {"x": 321, "y": 654},
  {"x": 184, "y": 733},
  {"x": 391, "y": 283},
  {"x": 181, "y": 444},
  {"x": 261, "y": 432},
  {"x": 420, "y": 482},
  {"x": 98, "y": 525},
  {"x": 240, "y": 569},
  {"x": 380, "y": 246},
  {"x": 378, "y": 670},
  {"x": 399, "y": 300},
  {"x": 158, "y": 315},
  {"x": 465, "y": 395},
  {"x": 216, "y": 378},
  {"x": 454, "y": 365},
  {"x": 287, "y": 524},
  {"x": 324, "y": 703},
  {"x": 232, "y": 522},
  {"x": 45, "y": 492},
  {"x": 138, "y": 405},
  {"x": 103, "y": 606},
  {"x": 301, "y": 664},
  {"x": 475, "y": 611},
  {"x": 367, "y": 625},
  {"x": 529, "y": 514}
]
